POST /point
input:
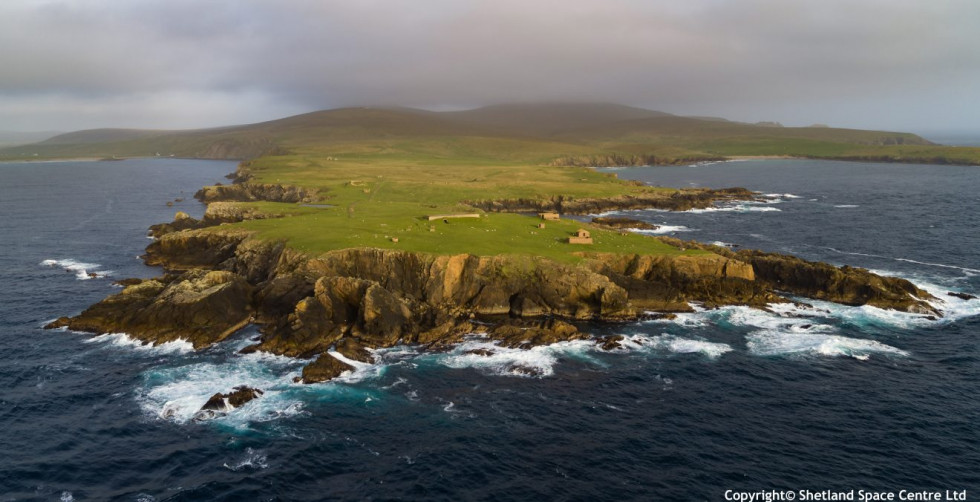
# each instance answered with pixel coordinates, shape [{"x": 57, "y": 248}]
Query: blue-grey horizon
[{"x": 872, "y": 64}]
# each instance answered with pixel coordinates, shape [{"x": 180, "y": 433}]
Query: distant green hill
[{"x": 579, "y": 134}]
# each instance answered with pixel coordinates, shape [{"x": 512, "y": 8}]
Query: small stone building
[
  {"x": 550, "y": 216},
  {"x": 581, "y": 237}
]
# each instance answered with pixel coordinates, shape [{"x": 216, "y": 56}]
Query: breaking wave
[
  {"x": 177, "y": 393},
  {"x": 83, "y": 271},
  {"x": 662, "y": 229},
  {"x": 778, "y": 343},
  {"x": 126, "y": 341}
]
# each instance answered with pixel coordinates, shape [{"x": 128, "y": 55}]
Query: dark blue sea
[{"x": 801, "y": 398}]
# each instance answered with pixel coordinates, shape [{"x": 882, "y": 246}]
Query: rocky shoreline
[{"x": 220, "y": 279}]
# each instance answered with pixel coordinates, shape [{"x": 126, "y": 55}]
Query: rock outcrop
[
  {"x": 326, "y": 367},
  {"x": 216, "y": 214},
  {"x": 219, "y": 404},
  {"x": 248, "y": 192},
  {"x": 199, "y": 306},
  {"x": 845, "y": 285},
  {"x": 678, "y": 200},
  {"x": 234, "y": 399},
  {"x": 622, "y": 222}
]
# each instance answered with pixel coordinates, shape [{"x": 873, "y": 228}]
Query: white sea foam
[
  {"x": 661, "y": 229},
  {"x": 781, "y": 196},
  {"x": 362, "y": 371},
  {"x": 178, "y": 393},
  {"x": 81, "y": 269},
  {"x": 251, "y": 460},
  {"x": 488, "y": 357},
  {"x": 952, "y": 308},
  {"x": 674, "y": 344},
  {"x": 779, "y": 343},
  {"x": 846, "y": 206},
  {"x": 126, "y": 341}
]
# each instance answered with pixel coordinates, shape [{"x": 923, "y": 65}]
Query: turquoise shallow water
[{"x": 825, "y": 398}]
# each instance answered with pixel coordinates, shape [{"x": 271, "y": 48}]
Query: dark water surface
[{"x": 831, "y": 397}]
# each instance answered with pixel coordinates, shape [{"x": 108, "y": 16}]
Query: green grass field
[{"x": 376, "y": 196}]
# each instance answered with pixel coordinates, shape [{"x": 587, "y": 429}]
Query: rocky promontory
[
  {"x": 336, "y": 306},
  {"x": 352, "y": 300}
]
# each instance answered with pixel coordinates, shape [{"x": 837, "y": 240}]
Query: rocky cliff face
[
  {"x": 353, "y": 299},
  {"x": 246, "y": 192}
]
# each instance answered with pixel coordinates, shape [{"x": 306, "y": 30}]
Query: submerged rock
[
  {"x": 961, "y": 296},
  {"x": 611, "y": 342}
]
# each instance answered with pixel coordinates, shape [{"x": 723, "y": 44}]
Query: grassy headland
[
  {"x": 383, "y": 170},
  {"x": 358, "y": 263}
]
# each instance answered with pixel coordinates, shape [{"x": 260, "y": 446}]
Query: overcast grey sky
[{"x": 889, "y": 64}]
